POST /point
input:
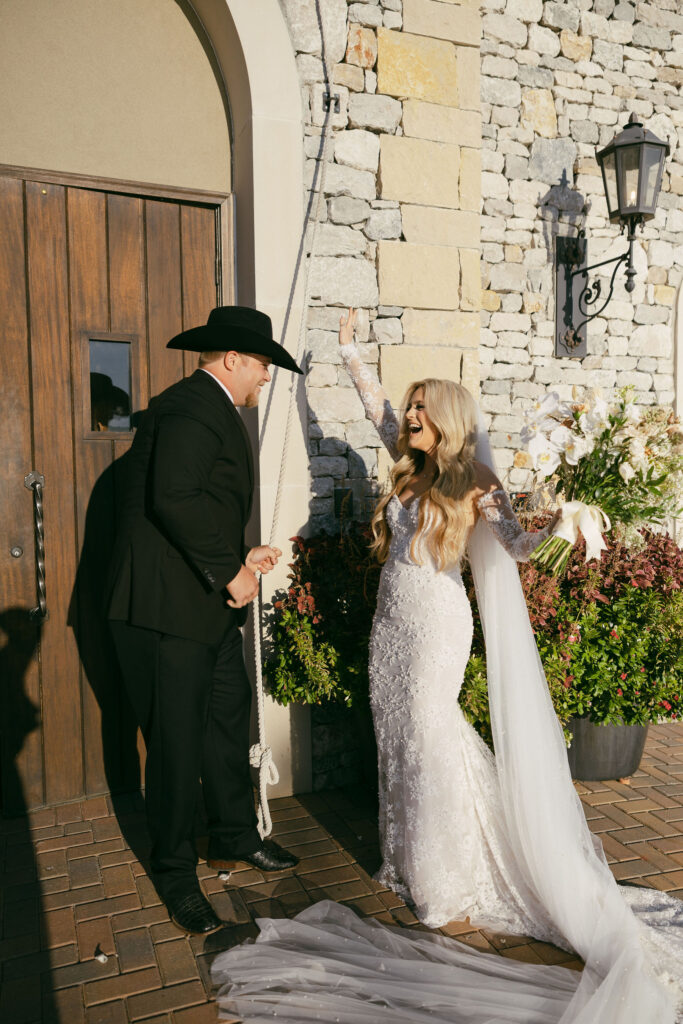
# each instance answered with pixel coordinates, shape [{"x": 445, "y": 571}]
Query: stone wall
[
  {"x": 400, "y": 238},
  {"x": 559, "y": 79}
]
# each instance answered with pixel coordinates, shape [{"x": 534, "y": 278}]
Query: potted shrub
[
  {"x": 317, "y": 647},
  {"x": 617, "y": 630}
]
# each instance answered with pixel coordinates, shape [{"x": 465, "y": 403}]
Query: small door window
[{"x": 109, "y": 385}]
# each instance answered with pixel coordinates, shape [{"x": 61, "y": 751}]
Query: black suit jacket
[{"x": 187, "y": 496}]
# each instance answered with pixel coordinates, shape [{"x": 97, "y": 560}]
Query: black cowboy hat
[{"x": 235, "y": 329}]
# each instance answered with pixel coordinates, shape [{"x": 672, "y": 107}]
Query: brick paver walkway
[{"x": 74, "y": 884}]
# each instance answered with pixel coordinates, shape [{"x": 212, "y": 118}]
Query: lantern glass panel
[
  {"x": 629, "y": 160},
  {"x": 609, "y": 173},
  {"x": 651, "y": 164}
]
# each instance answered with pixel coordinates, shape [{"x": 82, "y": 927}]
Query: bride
[{"x": 502, "y": 841}]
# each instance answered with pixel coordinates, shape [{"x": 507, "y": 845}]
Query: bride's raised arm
[
  {"x": 493, "y": 505},
  {"x": 373, "y": 396}
]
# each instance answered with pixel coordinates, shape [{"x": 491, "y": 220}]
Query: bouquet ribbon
[{"x": 589, "y": 520}]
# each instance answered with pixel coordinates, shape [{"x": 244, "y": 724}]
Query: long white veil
[{"x": 547, "y": 828}]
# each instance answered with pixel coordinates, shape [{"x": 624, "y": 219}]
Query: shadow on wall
[
  {"x": 562, "y": 205},
  {"x": 24, "y": 929},
  {"x": 122, "y": 750}
]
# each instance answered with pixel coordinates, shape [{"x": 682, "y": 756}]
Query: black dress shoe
[
  {"x": 193, "y": 914},
  {"x": 266, "y": 857}
]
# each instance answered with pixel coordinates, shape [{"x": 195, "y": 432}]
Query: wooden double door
[{"x": 93, "y": 283}]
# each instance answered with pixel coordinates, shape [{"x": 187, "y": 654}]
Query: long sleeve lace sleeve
[
  {"x": 374, "y": 398},
  {"x": 497, "y": 512}
]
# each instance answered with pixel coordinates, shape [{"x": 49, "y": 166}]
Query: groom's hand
[
  {"x": 242, "y": 589},
  {"x": 262, "y": 558}
]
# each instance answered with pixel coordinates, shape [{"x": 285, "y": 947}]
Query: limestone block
[
  {"x": 345, "y": 280},
  {"x": 525, "y": 10},
  {"x": 552, "y": 160},
  {"x": 441, "y": 124},
  {"x": 304, "y": 27},
  {"x": 310, "y": 69},
  {"x": 609, "y": 55},
  {"x": 664, "y": 294},
  {"x": 322, "y": 486},
  {"x": 361, "y": 434},
  {"x": 538, "y": 112},
  {"x": 337, "y": 240},
  {"x": 661, "y": 254},
  {"x": 470, "y": 179},
  {"x": 411, "y": 65},
  {"x": 346, "y": 210},
  {"x": 349, "y": 76},
  {"x": 339, "y": 404},
  {"x": 532, "y": 302},
  {"x": 366, "y": 14},
  {"x": 328, "y": 465},
  {"x": 510, "y": 322},
  {"x": 470, "y": 279},
  {"x": 387, "y": 330},
  {"x": 362, "y": 47},
  {"x": 384, "y": 224},
  {"x": 358, "y": 149},
  {"x": 324, "y": 345},
  {"x": 441, "y": 327},
  {"x": 419, "y": 171},
  {"x": 402, "y": 364},
  {"x": 508, "y": 277},
  {"x": 543, "y": 41},
  {"x": 380, "y": 113},
  {"x": 560, "y": 15},
  {"x": 430, "y": 225},
  {"x": 625, "y": 12},
  {"x": 505, "y": 29},
  {"x": 341, "y": 180},
  {"x": 650, "y": 37},
  {"x": 470, "y": 372},
  {"x": 421, "y": 276},
  {"x": 500, "y": 91},
  {"x": 469, "y": 75},
  {"x": 499, "y": 67},
  {"x": 494, "y": 185},
  {"x": 321, "y": 375},
  {"x": 442, "y": 21},
  {"x": 490, "y": 301},
  {"x": 645, "y": 314}
]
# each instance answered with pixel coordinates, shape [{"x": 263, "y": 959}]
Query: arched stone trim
[{"x": 254, "y": 53}]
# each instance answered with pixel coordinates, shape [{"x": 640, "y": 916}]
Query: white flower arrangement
[{"x": 610, "y": 462}]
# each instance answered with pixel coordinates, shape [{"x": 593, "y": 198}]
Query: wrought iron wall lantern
[{"x": 632, "y": 166}]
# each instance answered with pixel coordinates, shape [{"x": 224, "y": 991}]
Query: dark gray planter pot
[{"x": 604, "y": 751}]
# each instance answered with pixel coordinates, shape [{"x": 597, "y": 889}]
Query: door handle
[{"x": 35, "y": 482}]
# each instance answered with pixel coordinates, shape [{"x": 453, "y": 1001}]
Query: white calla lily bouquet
[{"x": 613, "y": 465}]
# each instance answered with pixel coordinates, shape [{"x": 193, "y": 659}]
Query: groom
[{"x": 181, "y": 580}]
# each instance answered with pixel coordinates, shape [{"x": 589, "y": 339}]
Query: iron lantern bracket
[{"x": 574, "y": 305}]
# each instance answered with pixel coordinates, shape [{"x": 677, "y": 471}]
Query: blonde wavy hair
[{"x": 444, "y": 516}]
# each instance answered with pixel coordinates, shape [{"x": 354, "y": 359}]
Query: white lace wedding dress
[{"x": 501, "y": 840}]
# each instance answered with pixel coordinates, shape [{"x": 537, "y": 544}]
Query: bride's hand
[{"x": 346, "y": 327}]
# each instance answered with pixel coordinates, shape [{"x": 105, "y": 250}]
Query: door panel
[
  {"x": 77, "y": 263},
  {"x": 53, "y": 455}
]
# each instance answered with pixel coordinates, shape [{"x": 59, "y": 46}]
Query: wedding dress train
[{"x": 502, "y": 840}]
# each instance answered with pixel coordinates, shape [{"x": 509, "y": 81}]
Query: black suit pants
[{"x": 193, "y": 704}]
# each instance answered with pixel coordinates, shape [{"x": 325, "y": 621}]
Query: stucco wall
[{"x": 114, "y": 88}]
